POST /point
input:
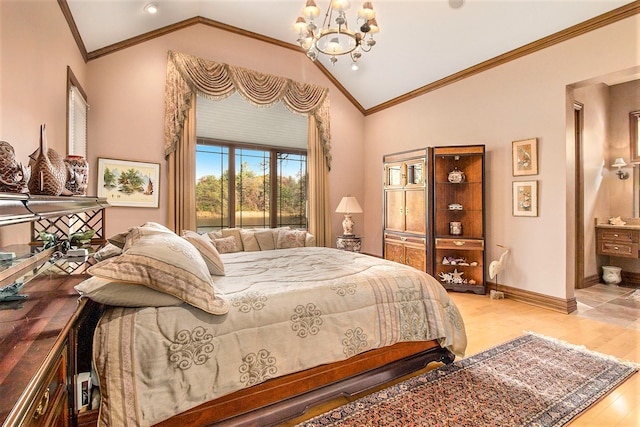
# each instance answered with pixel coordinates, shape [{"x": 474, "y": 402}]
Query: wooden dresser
[
  {"x": 618, "y": 240},
  {"x": 45, "y": 339}
]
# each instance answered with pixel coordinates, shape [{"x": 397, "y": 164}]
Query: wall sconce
[
  {"x": 348, "y": 205},
  {"x": 620, "y": 163}
]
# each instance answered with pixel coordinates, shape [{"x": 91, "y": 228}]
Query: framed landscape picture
[
  {"x": 525, "y": 198},
  {"x": 525, "y": 157},
  {"x": 128, "y": 183}
]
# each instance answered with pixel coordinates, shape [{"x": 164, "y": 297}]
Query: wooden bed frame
[
  {"x": 287, "y": 397},
  {"x": 290, "y": 396}
]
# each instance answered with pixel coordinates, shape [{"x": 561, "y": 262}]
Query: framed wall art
[
  {"x": 525, "y": 157},
  {"x": 129, "y": 183},
  {"x": 525, "y": 198}
]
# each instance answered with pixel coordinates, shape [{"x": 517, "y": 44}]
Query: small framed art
[
  {"x": 128, "y": 183},
  {"x": 525, "y": 198},
  {"x": 525, "y": 157}
]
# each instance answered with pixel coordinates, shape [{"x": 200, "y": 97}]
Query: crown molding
[
  {"x": 559, "y": 37},
  {"x": 600, "y": 21}
]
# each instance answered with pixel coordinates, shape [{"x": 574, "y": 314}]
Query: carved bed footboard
[{"x": 287, "y": 397}]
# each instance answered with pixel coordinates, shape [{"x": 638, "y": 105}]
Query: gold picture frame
[
  {"x": 525, "y": 198},
  {"x": 525, "y": 157},
  {"x": 129, "y": 183}
]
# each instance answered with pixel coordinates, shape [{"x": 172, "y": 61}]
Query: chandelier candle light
[
  {"x": 348, "y": 205},
  {"x": 335, "y": 38}
]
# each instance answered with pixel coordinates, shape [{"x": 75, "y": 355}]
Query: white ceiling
[{"x": 420, "y": 41}]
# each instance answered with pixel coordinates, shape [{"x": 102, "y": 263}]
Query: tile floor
[{"x": 610, "y": 304}]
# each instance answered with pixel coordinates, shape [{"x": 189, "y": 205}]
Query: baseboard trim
[
  {"x": 565, "y": 306},
  {"x": 590, "y": 281}
]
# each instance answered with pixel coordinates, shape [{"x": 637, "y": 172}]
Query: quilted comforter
[{"x": 291, "y": 310}]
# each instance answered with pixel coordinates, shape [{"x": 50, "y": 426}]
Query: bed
[{"x": 284, "y": 330}]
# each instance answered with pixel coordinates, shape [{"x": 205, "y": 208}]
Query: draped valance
[{"x": 188, "y": 74}]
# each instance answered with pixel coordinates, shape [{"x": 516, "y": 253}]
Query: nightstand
[{"x": 349, "y": 243}]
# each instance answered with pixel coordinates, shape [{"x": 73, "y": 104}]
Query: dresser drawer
[
  {"x": 460, "y": 244},
  {"x": 50, "y": 407},
  {"x": 620, "y": 236},
  {"x": 627, "y": 250}
]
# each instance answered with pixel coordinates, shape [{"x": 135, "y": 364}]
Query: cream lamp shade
[
  {"x": 348, "y": 205},
  {"x": 620, "y": 163}
]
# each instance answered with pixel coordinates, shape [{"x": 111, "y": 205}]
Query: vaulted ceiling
[{"x": 421, "y": 44}]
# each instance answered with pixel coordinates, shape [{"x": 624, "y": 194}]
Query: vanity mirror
[{"x": 634, "y": 133}]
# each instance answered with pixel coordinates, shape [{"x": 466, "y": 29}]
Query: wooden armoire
[{"x": 407, "y": 206}]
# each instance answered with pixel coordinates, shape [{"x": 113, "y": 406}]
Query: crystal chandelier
[{"x": 335, "y": 38}]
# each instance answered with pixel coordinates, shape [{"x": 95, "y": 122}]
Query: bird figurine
[
  {"x": 81, "y": 236},
  {"x": 50, "y": 240},
  {"x": 495, "y": 267}
]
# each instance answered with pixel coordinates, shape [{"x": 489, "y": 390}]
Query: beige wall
[
  {"x": 522, "y": 99},
  {"x": 36, "y": 46},
  {"x": 127, "y": 109}
]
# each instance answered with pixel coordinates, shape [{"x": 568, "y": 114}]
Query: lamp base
[{"x": 347, "y": 225}]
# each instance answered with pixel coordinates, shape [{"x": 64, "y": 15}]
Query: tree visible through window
[{"x": 255, "y": 200}]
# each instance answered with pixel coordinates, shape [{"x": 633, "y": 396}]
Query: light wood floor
[{"x": 491, "y": 322}]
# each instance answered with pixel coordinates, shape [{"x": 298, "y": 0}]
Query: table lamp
[{"x": 347, "y": 206}]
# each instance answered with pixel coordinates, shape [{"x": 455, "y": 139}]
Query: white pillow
[
  {"x": 266, "y": 239},
  {"x": 291, "y": 239},
  {"x": 249, "y": 241},
  {"x": 106, "y": 291},
  {"x": 207, "y": 249},
  {"x": 164, "y": 262}
]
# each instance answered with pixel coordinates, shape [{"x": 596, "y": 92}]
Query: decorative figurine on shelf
[
  {"x": 10, "y": 292},
  {"x": 455, "y": 228},
  {"x": 50, "y": 240},
  {"x": 13, "y": 175},
  {"x": 455, "y": 277},
  {"x": 77, "y": 175},
  {"x": 81, "y": 238},
  {"x": 616, "y": 221},
  {"x": 456, "y": 176},
  {"x": 48, "y": 172}
]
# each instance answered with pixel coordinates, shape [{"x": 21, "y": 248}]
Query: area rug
[{"x": 529, "y": 381}]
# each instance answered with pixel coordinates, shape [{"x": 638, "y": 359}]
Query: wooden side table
[{"x": 349, "y": 243}]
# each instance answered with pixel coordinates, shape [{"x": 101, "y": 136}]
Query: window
[
  {"x": 254, "y": 200},
  {"x": 77, "y": 109}
]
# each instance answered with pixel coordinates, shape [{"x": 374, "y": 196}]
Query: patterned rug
[{"x": 529, "y": 381}]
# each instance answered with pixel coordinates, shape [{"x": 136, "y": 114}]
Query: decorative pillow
[
  {"x": 235, "y": 232},
  {"x": 108, "y": 251},
  {"x": 215, "y": 234},
  {"x": 249, "y": 241},
  {"x": 291, "y": 239},
  {"x": 310, "y": 240},
  {"x": 120, "y": 239},
  {"x": 209, "y": 253},
  {"x": 226, "y": 245},
  {"x": 266, "y": 240},
  {"x": 167, "y": 263},
  {"x": 147, "y": 229},
  {"x": 105, "y": 291}
]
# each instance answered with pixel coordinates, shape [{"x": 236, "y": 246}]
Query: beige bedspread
[{"x": 291, "y": 310}]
